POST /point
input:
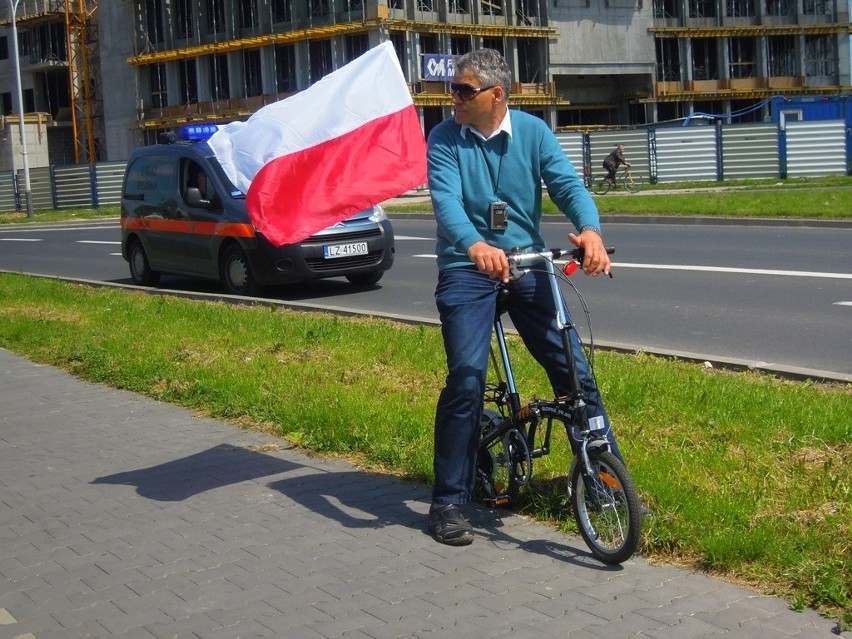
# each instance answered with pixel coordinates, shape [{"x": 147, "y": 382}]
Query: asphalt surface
[{"x": 124, "y": 517}]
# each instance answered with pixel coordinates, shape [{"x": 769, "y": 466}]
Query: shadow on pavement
[{"x": 182, "y": 478}]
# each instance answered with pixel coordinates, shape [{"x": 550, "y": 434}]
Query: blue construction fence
[{"x": 719, "y": 151}]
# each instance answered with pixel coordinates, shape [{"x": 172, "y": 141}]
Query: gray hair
[{"x": 488, "y": 65}]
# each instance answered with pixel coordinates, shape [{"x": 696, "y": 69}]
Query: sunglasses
[{"x": 467, "y": 92}]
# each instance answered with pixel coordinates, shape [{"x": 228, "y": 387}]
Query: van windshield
[{"x": 229, "y": 187}]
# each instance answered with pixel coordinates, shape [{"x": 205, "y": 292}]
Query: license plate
[{"x": 344, "y": 250}]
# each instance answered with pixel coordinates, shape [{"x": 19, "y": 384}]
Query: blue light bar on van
[{"x": 196, "y": 132}]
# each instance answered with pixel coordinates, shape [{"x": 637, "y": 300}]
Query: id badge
[{"x": 499, "y": 212}]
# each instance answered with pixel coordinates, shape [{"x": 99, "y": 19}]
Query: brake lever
[{"x": 516, "y": 273}]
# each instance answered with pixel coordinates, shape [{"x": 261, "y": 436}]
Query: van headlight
[{"x": 378, "y": 214}]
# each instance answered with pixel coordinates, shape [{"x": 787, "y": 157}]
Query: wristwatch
[{"x": 589, "y": 227}]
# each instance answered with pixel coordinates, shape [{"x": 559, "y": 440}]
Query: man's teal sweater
[{"x": 463, "y": 174}]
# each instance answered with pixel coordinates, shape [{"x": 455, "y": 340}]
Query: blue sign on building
[{"x": 437, "y": 66}]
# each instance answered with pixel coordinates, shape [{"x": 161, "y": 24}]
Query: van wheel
[
  {"x": 140, "y": 269},
  {"x": 237, "y": 278},
  {"x": 365, "y": 279}
]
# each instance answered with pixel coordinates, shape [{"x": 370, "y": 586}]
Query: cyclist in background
[{"x": 614, "y": 160}]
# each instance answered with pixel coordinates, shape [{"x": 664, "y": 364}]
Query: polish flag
[{"x": 349, "y": 141}]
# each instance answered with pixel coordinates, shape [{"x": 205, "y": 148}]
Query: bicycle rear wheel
[
  {"x": 600, "y": 185},
  {"x": 606, "y": 508},
  {"x": 633, "y": 182}
]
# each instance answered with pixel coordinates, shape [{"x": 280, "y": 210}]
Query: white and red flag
[{"x": 349, "y": 141}]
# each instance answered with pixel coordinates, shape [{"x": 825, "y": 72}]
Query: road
[{"x": 773, "y": 297}]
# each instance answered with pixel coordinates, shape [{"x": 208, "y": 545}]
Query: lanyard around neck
[{"x": 495, "y": 182}]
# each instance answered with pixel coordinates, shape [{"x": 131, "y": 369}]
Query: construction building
[{"x": 100, "y": 78}]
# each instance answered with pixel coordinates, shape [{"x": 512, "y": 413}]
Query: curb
[{"x": 709, "y": 361}]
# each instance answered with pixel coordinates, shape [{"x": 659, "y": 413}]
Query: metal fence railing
[
  {"x": 663, "y": 154},
  {"x": 720, "y": 152}
]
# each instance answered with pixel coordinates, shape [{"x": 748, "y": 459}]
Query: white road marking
[
  {"x": 96, "y": 242},
  {"x": 20, "y": 239},
  {"x": 716, "y": 269},
  {"x": 726, "y": 269},
  {"x": 843, "y": 303},
  {"x": 50, "y": 229}
]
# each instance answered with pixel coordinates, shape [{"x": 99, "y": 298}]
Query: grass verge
[{"x": 749, "y": 476}]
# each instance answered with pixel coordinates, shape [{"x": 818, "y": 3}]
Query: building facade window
[
  {"x": 705, "y": 58},
  {"x": 356, "y": 45},
  {"x": 321, "y": 63},
  {"x": 819, "y": 56},
  {"x": 739, "y": 8},
  {"x": 741, "y": 56},
  {"x": 494, "y": 43},
  {"x": 666, "y": 9},
  {"x": 215, "y": 12},
  {"x": 285, "y": 69},
  {"x": 702, "y": 9},
  {"x": 219, "y": 85},
  {"x": 782, "y": 55},
  {"x": 780, "y": 7},
  {"x": 459, "y": 45},
  {"x": 668, "y": 60},
  {"x": 188, "y": 81},
  {"x": 157, "y": 85},
  {"x": 817, "y": 7},
  {"x": 318, "y": 8},
  {"x": 252, "y": 78},
  {"x": 154, "y": 31},
  {"x": 247, "y": 14},
  {"x": 282, "y": 11},
  {"x": 184, "y": 23}
]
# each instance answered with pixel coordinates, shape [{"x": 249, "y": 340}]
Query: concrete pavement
[{"x": 124, "y": 517}]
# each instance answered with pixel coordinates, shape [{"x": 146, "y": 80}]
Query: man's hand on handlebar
[
  {"x": 492, "y": 260},
  {"x": 596, "y": 259}
]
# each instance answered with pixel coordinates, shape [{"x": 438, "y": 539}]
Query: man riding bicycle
[
  {"x": 486, "y": 167},
  {"x": 614, "y": 160}
]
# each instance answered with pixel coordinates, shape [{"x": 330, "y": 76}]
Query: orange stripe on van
[{"x": 225, "y": 229}]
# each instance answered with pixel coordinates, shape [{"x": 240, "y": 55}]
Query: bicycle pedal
[{"x": 500, "y": 501}]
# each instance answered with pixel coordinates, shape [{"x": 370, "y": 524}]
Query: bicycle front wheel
[
  {"x": 633, "y": 183},
  {"x": 606, "y": 508},
  {"x": 600, "y": 185}
]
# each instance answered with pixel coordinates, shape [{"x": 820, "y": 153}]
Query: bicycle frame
[
  {"x": 571, "y": 410},
  {"x": 602, "y": 494}
]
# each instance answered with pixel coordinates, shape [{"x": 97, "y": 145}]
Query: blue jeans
[{"x": 466, "y": 301}]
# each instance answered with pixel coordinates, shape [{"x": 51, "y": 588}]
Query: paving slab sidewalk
[{"x": 124, "y": 517}]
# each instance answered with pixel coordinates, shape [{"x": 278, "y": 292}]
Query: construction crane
[{"x": 87, "y": 118}]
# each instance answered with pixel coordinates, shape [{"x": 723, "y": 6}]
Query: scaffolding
[{"x": 48, "y": 20}]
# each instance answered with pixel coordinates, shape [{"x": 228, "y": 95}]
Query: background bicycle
[{"x": 628, "y": 180}]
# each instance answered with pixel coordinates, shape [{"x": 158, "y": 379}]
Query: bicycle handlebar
[{"x": 576, "y": 254}]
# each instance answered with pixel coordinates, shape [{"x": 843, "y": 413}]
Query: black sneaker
[{"x": 448, "y": 525}]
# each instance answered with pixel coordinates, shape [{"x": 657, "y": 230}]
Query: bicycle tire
[
  {"x": 600, "y": 185},
  {"x": 606, "y": 508},
  {"x": 633, "y": 182}
]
